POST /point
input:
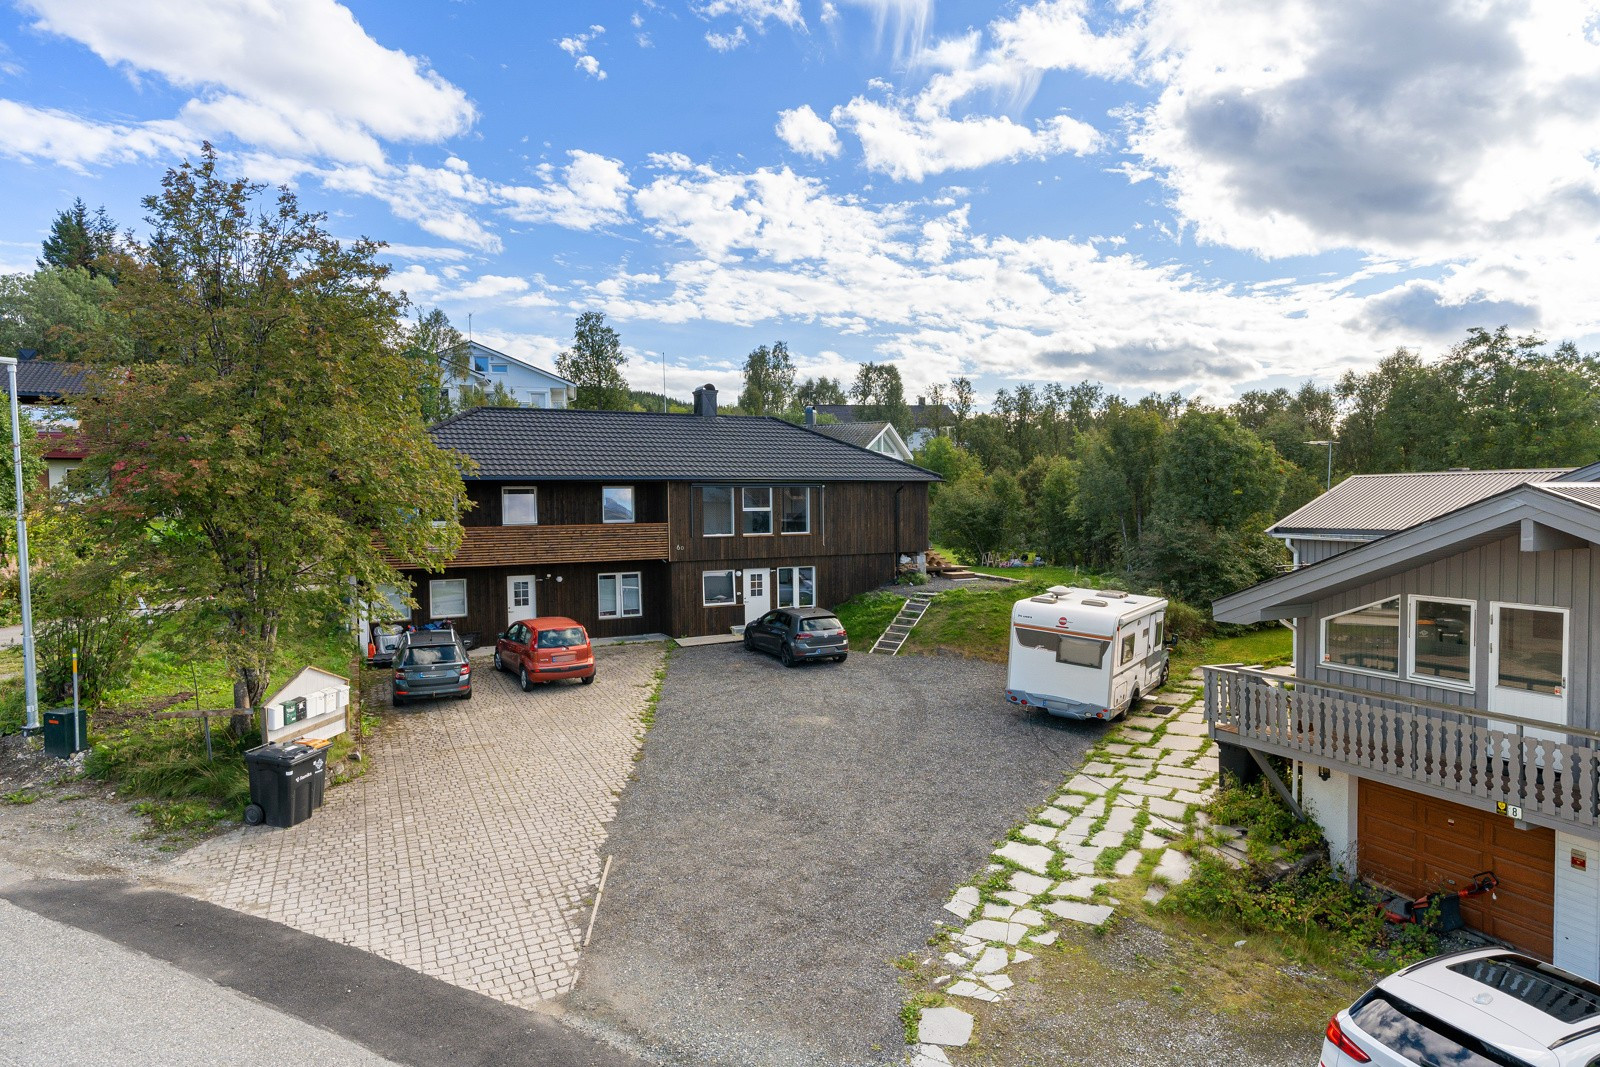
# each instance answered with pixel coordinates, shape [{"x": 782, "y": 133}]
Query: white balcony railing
[{"x": 1552, "y": 774}]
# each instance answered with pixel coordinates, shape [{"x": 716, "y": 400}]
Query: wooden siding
[
  {"x": 576, "y": 596},
  {"x": 838, "y": 579},
  {"x": 1311, "y": 550},
  {"x": 1498, "y": 571},
  {"x": 565, "y": 503},
  {"x": 847, "y": 519},
  {"x": 1414, "y": 845},
  {"x": 538, "y": 546}
]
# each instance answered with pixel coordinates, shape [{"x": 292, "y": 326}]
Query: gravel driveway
[{"x": 789, "y": 834}]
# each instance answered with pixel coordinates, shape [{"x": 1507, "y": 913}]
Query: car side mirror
[{"x": 501, "y": 636}]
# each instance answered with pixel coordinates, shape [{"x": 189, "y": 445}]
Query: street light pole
[
  {"x": 30, "y": 676},
  {"x": 1329, "y": 443}
]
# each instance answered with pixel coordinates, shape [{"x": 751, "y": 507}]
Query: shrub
[{"x": 1187, "y": 623}]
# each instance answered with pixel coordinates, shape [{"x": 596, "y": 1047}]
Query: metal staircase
[{"x": 892, "y": 638}]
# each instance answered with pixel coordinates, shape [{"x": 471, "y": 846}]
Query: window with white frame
[
  {"x": 620, "y": 596},
  {"x": 756, "y": 508},
  {"x": 616, "y": 503},
  {"x": 498, "y": 368},
  {"x": 1441, "y": 641},
  {"x": 796, "y": 509},
  {"x": 1365, "y": 638},
  {"x": 519, "y": 506},
  {"x": 797, "y": 587},
  {"x": 716, "y": 510},
  {"x": 447, "y": 598},
  {"x": 716, "y": 588}
]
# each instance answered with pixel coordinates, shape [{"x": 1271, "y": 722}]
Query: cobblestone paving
[{"x": 469, "y": 849}]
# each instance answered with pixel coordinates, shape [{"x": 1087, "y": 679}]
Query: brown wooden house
[{"x": 678, "y": 524}]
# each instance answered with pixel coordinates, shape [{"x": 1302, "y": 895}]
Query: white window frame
[
  {"x": 806, "y": 489},
  {"x": 433, "y": 596},
  {"x": 794, "y": 584},
  {"x": 620, "y": 604},
  {"x": 533, "y": 490},
  {"x": 732, "y": 584},
  {"x": 745, "y": 509},
  {"x": 733, "y": 511},
  {"x": 1471, "y": 684},
  {"x": 1400, "y": 639},
  {"x": 633, "y": 503}
]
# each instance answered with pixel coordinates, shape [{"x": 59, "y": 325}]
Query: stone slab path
[
  {"x": 470, "y": 849},
  {"x": 1139, "y": 789}
]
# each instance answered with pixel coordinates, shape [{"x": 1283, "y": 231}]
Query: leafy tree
[
  {"x": 979, "y": 515},
  {"x": 1117, "y": 477},
  {"x": 768, "y": 381},
  {"x": 79, "y": 240},
  {"x": 472, "y": 394},
  {"x": 441, "y": 368},
  {"x": 595, "y": 362},
  {"x": 814, "y": 392},
  {"x": 962, "y": 399},
  {"x": 948, "y": 460},
  {"x": 54, "y": 312},
  {"x": 1059, "y": 529},
  {"x": 1522, "y": 406},
  {"x": 87, "y": 592},
  {"x": 1401, "y": 416},
  {"x": 33, "y": 469},
  {"x": 264, "y": 425},
  {"x": 881, "y": 396}
]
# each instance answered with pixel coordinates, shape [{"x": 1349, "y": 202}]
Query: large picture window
[
  {"x": 716, "y": 510},
  {"x": 1441, "y": 641},
  {"x": 796, "y": 510},
  {"x": 756, "y": 508},
  {"x": 716, "y": 588},
  {"x": 616, "y": 503},
  {"x": 1364, "y": 639},
  {"x": 619, "y": 596},
  {"x": 519, "y": 506},
  {"x": 797, "y": 587},
  {"x": 447, "y": 598}
]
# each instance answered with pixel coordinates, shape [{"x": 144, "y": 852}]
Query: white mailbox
[{"x": 312, "y": 704}]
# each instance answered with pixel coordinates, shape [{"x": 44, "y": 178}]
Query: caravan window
[
  {"x": 1081, "y": 651},
  {"x": 1161, "y": 633},
  {"x": 1029, "y": 638},
  {"x": 1127, "y": 649}
]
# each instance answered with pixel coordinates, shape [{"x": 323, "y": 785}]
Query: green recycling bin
[{"x": 66, "y": 731}]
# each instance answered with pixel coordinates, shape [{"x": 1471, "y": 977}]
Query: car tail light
[
  {"x": 1338, "y": 1040},
  {"x": 842, "y": 632},
  {"x": 466, "y": 669},
  {"x": 399, "y": 676}
]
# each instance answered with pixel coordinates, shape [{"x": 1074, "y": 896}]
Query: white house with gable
[{"x": 530, "y": 386}]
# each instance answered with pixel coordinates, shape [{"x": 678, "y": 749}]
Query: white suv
[{"x": 1483, "y": 1008}]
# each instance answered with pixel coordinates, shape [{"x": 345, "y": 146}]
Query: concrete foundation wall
[{"x": 1332, "y": 803}]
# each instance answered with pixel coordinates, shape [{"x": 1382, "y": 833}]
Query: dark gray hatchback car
[
  {"x": 796, "y": 634},
  {"x": 431, "y": 665}
]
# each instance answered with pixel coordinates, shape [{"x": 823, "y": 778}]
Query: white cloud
[
  {"x": 726, "y": 42},
  {"x": 907, "y": 146},
  {"x": 906, "y": 21},
  {"x": 755, "y": 12},
  {"x": 33, "y": 133},
  {"x": 577, "y": 46},
  {"x": 301, "y": 72},
  {"x": 591, "y": 191},
  {"x": 804, "y": 131}
]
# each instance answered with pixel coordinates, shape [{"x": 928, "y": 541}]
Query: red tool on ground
[{"x": 1448, "y": 903}]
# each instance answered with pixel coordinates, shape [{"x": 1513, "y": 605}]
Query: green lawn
[
  {"x": 1268, "y": 647},
  {"x": 866, "y": 617}
]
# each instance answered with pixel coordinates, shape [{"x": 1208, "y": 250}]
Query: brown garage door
[{"x": 1415, "y": 844}]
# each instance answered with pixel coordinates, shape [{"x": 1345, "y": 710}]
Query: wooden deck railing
[
  {"x": 1475, "y": 758},
  {"x": 497, "y": 546}
]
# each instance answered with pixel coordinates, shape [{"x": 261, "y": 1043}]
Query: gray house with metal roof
[
  {"x": 682, "y": 524},
  {"x": 1443, "y": 713}
]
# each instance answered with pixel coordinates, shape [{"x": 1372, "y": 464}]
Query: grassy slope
[
  {"x": 976, "y": 622},
  {"x": 866, "y": 617}
]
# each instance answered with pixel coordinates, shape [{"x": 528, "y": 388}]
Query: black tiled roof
[
  {"x": 860, "y": 434},
  {"x": 44, "y": 380},
  {"x": 921, "y": 414},
  {"x": 570, "y": 445}
]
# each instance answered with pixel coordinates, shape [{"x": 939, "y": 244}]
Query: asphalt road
[
  {"x": 790, "y": 834},
  {"x": 79, "y": 1006}
]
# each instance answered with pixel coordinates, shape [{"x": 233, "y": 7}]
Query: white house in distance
[
  {"x": 312, "y": 704},
  {"x": 528, "y": 385}
]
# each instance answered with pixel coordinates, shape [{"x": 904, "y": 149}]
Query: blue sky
[{"x": 1156, "y": 194}]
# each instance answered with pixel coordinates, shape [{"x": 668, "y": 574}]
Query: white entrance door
[
  {"x": 1528, "y": 665},
  {"x": 1577, "y": 912},
  {"x": 757, "y": 594},
  {"x": 519, "y": 598}
]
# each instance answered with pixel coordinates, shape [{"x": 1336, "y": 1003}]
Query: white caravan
[{"x": 1084, "y": 653}]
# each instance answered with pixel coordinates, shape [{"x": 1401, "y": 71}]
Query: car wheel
[
  {"x": 524, "y": 680},
  {"x": 841, "y": 659},
  {"x": 749, "y": 645},
  {"x": 467, "y": 695},
  {"x": 497, "y": 664},
  {"x": 254, "y": 815},
  {"x": 588, "y": 681},
  {"x": 397, "y": 701},
  {"x": 786, "y": 655}
]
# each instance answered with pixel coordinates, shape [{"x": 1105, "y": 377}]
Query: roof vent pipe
[
  {"x": 811, "y": 416},
  {"x": 705, "y": 400}
]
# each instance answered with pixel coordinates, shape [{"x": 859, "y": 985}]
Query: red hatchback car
[{"x": 548, "y": 649}]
